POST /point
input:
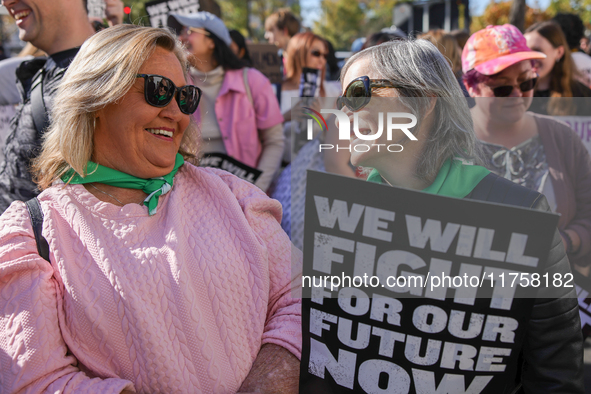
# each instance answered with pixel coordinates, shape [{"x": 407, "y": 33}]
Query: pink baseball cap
[{"x": 491, "y": 50}]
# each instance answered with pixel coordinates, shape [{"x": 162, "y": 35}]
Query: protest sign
[
  {"x": 418, "y": 333},
  {"x": 96, "y": 8},
  {"x": 309, "y": 82},
  {"x": 158, "y": 10},
  {"x": 266, "y": 59},
  {"x": 583, "y": 286},
  {"x": 233, "y": 166},
  {"x": 581, "y": 125}
]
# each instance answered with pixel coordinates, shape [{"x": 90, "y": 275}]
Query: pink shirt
[
  {"x": 240, "y": 120},
  {"x": 178, "y": 302}
]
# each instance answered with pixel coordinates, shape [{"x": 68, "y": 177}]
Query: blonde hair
[
  {"x": 448, "y": 46},
  {"x": 102, "y": 72}
]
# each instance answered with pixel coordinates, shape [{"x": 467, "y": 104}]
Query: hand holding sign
[{"x": 371, "y": 334}]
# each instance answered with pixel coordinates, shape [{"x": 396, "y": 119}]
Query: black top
[
  {"x": 24, "y": 142},
  {"x": 576, "y": 106}
]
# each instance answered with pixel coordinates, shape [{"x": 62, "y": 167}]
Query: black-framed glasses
[
  {"x": 358, "y": 93},
  {"x": 505, "y": 91},
  {"x": 159, "y": 91},
  {"x": 317, "y": 53}
]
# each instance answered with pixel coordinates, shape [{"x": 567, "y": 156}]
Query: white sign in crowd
[{"x": 159, "y": 10}]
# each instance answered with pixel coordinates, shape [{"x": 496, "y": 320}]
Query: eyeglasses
[
  {"x": 358, "y": 93},
  {"x": 188, "y": 30},
  {"x": 505, "y": 91},
  {"x": 317, "y": 53},
  {"x": 159, "y": 91}
]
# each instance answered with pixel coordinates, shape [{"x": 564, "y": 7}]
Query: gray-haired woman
[{"x": 413, "y": 77}]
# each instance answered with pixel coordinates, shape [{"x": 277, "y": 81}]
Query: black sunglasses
[
  {"x": 505, "y": 91},
  {"x": 317, "y": 53},
  {"x": 358, "y": 93},
  {"x": 159, "y": 91}
]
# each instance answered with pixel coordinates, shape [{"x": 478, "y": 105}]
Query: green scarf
[
  {"x": 154, "y": 187},
  {"x": 456, "y": 178}
]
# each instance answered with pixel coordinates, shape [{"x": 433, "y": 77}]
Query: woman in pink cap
[{"x": 533, "y": 150}]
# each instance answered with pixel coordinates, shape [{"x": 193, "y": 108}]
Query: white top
[
  {"x": 210, "y": 83},
  {"x": 583, "y": 63}
]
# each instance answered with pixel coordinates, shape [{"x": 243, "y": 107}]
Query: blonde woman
[{"x": 160, "y": 276}]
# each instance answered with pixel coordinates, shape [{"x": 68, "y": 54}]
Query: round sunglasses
[
  {"x": 358, "y": 93},
  {"x": 317, "y": 53},
  {"x": 505, "y": 91},
  {"x": 159, "y": 92}
]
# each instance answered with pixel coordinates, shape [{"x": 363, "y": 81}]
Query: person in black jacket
[
  {"x": 443, "y": 159},
  {"x": 59, "y": 28}
]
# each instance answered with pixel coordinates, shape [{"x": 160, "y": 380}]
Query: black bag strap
[
  {"x": 36, "y": 215},
  {"x": 40, "y": 116}
]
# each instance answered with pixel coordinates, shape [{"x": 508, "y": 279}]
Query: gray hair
[
  {"x": 102, "y": 72},
  {"x": 423, "y": 74}
]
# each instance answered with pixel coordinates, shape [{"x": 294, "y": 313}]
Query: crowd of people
[{"x": 127, "y": 267}]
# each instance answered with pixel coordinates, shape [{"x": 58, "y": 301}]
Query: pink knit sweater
[{"x": 178, "y": 302}]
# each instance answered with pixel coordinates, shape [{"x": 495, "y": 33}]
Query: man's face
[
  {"x": 38, "y": 21},
  {"x": 277, "y": 36}
]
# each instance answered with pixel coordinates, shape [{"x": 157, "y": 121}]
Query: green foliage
[
  {"x": 138, "y": 15},
  {"x": 341, "y": 22},
  {"x": 498, "y": 14},
  {"x": 579, "y": 7},
  {"x": 235, "y": 15},
  {"x": 378, "y": 14}
]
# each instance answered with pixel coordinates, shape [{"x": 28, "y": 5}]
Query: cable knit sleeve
[
  {"x": 283, "y": 320},
  {"x": 33, "y": 354}
]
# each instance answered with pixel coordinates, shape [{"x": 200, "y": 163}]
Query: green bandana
[
  {"x": 456, "y": 178},
  {"x": 154, "y": 187}
]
